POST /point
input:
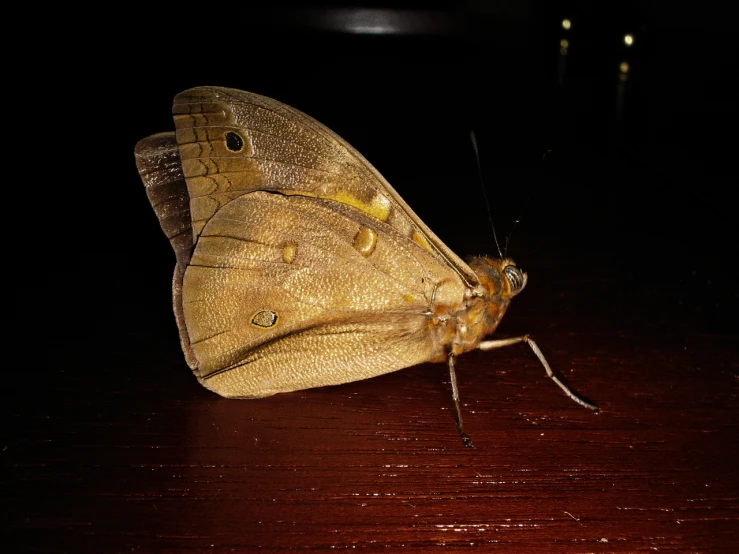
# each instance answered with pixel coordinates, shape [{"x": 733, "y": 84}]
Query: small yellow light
[
  {"x": 564, "y": 43},
  {"x": 628, "y": 39},
  {"x": 624, "y": 67},
  {"x": 566, "y": 24}
]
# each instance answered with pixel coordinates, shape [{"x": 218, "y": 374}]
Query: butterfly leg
[
  {"x": 455, "y": 395},
  {"x": 491, "y": 344}
]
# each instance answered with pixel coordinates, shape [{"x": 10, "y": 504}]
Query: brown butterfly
[{"x": 298, "y": 265}]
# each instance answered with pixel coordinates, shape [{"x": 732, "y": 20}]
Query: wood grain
[{"x": 122, "y": 449}]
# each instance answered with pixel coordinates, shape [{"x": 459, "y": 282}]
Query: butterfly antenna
[
  {"x": 473, "y": 138},
  {"x": 516, "y": 221}
]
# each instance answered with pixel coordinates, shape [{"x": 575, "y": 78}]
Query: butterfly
[{"x": 297, "y": 264}]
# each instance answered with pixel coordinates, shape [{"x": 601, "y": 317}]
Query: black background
[
  {"x": 645, "y": 187},
  {"x": 662, "y": 165},
  {"x": 633, "y": 183}
]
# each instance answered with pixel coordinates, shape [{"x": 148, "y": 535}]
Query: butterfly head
[
  {"x": 515, "y": 277},
  {"x": 500, "y": 278}
]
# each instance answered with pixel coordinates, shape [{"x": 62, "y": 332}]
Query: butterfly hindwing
[
  {"x": 291, "y": 292},
  {"x": 160, "y": 167}
]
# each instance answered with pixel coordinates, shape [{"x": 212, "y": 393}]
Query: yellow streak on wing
[
  {"x": 421, "y": 241},
  {"x": 379, "y": 207}
]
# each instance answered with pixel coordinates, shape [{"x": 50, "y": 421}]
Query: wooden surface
[
  {"x": 123, "y": 451},
  {"x": 110, "y": 445}
]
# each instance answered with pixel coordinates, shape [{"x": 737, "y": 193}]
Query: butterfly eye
[
  {"x": 516, "y": 278},
  {"x": 234, "y": 142}
]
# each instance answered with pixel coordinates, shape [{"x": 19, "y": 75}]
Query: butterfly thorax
[{"x": 462, "y": 329}]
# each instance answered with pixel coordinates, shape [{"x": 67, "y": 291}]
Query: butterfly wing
[
  {"x": 233, "y": 142},
  {"x": 160, "y": 167},
  {"x": 288, "y": 292},
  {"x": 298, "y": 265}
]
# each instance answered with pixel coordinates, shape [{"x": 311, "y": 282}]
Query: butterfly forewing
[{"x": 233, "y": 142}]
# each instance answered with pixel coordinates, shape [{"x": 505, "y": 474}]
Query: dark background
[
  {"x": 561, "y": 145},
  {"x": 623, "y": 187}
]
